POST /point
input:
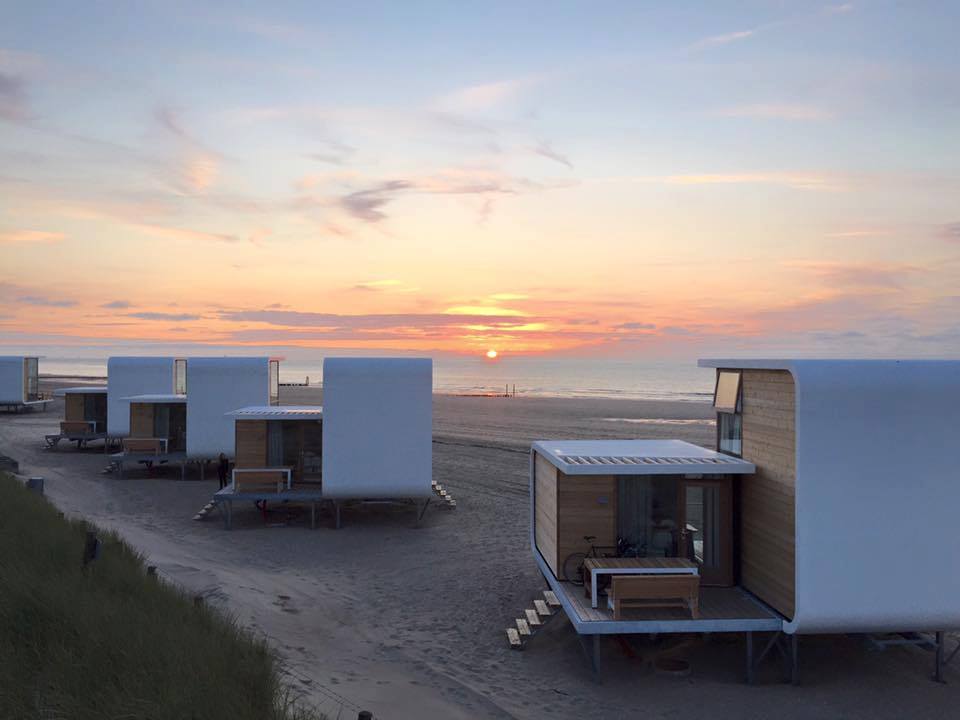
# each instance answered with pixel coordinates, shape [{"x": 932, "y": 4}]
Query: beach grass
[{"x": 112, "y": 641}]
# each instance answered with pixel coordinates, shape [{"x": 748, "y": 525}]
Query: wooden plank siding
[
  {"x": 73, "y": 407},
  {"x": 586, "y": 505},
  {"x": 251, "y": 443},
  {"x": 767, "y": 498},
  {"x": 141, "y": 420},
  {"x": 545, "y": 511}
]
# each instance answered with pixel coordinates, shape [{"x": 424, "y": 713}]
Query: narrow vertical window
[
  {"x": 727, "y": 400},
  {"x": 180, "y": 376},
  {"x": 274, "y": 382}
]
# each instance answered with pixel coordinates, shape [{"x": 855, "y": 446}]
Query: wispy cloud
[
  {"x": 43, "y": 301},
  {"x": 545, "y": 149},
  {"x": 951, "y": 231},
  {"x": 482, "y": 97},
  {"x": 11, "y": 237},
  {"x": 373, "y": 321},
  {"x": 723, "y": 39},
  {"x": 116, "y": 305},
  {"x": 175, "y": 317},
  {"x": 366, "y": 204},
  {"x": 802, "y": 181},
  {"x": 635, "y": 326},
  {"x": 13, "y": 98},
  {"x": 866, "y": 275},
  {"x": 776, "y": 112},
  {"x": 385, "y": 286}
]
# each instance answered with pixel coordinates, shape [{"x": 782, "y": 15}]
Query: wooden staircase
[
  {"x": 448, "y": 500},
  {"x": 205, "y": 510},
  {"x": 534, "y": 620}
]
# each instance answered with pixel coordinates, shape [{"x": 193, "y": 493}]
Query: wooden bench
[
  {"x": 261, "y": 479},
  {"x": 659, "y": 591},
  {"x": 77, "y": 427},
  {"x": 155, "y": 446}
]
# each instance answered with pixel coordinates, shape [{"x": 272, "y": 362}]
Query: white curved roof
[
  {"x": 638, "y": 457},
  {"x": 156, "y": 398},
  {"x": 82, "y": 390}
]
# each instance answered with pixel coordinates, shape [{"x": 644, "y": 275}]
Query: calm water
[{"x": 660, "y": 380}]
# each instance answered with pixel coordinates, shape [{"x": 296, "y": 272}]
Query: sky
[{"x": 628, "y": 180}]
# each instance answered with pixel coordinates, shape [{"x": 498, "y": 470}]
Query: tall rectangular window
[
  {"x": 180, "y": 376},
  {"x": 730, "y": 433},
  {"x": 274, "y": 382}
]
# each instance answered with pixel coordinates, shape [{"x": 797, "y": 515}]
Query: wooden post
[
  {"x": 152, "y": 570},
  {"x": 35, "y": 484},
  {"x": 91, "y": 548}
]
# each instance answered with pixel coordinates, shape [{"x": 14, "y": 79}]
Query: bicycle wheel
[{"x": 573, "y": 568}]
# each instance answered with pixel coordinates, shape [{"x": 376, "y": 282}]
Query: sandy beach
[{"x": 408, "y": 621}]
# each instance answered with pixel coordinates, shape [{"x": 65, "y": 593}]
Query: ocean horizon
[{"x": 530, "y": 376}]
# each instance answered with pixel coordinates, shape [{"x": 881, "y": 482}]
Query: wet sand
[{"x": 409, "y": 621}]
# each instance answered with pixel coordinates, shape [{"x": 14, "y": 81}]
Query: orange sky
[{"x": 745, "y": 182}]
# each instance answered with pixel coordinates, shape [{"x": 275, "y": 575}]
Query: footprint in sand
[{"x": 282, "y": 602}]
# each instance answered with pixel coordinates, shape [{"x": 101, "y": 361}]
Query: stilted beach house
[
  {"x": 20, "y": 383},
  {"x": 371, "y": 440},
  {"x": 129, "y": 376},
  {"x": 828, "y": 507},
  {"x": 84, "y": 415},
  {"x": 193, "y": 427}
]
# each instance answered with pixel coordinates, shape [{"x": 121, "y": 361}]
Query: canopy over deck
[
  {"x": 157, "y": 398},
  {"x": 277, "y": 412},
  {"x": 638, "y": 457},
  {"x": 83, "y": 390}
]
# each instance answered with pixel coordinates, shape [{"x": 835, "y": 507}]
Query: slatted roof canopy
[
  {"x": 278, "y": 412},
  {"x": 638, "y": 457}
]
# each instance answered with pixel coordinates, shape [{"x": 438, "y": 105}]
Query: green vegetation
[{"x": 113, "y": 642}]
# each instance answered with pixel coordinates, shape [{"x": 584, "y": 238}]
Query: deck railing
[{"x": 262, "y": 479}]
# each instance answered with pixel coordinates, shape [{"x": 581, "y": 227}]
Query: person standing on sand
[{"x": 223, "y": 468}]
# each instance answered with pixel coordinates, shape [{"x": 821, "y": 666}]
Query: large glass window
[
  {"x": 727, "y": 395},
  {"x": 729, "y": 433},
  {"x": 32, "y": 379}
]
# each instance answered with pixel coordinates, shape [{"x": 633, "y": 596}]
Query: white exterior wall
[
  {"x": 11, "y": 379},
  {"x": 216, "y": 386},
  {"x": 128, "y": 376},
  {"x": 877, "y": 492},
  {"x": 377, "y": 427}
]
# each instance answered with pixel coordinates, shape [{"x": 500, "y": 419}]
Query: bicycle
[{"x": 573, "y": 564}]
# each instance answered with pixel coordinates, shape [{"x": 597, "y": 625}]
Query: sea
[{"x": 525, "y": 376}]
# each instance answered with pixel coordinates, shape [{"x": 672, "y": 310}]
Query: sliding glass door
[{"x": 706, "y": 528}]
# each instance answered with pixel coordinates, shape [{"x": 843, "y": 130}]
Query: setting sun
[{"x": 492, "y": 354}]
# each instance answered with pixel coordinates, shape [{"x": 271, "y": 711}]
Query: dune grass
[{"x": 113, "y": 642}]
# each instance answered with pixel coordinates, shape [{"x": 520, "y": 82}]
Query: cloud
[
  {"x": 635, "y": 326},
  {"x": 859, "y": 275},
  {"x": 183, "y": 234},
  {"x": 201, "y": 171},
  {"x": 365, "y": 204},
  {"x": 116, "y": 305},
  {"x": 10, "y": 237},
  {"x": 374, "y": 321},
  {"x": 802, "y": 181},
  {"x": 724, "y": 39},
  {"x": 544, "y": 149},
  {"x": 775, "y": 112},
  {"x": 480, "y": 98},
  {"x": 13, "y": 98},
  {"x": 173, "y": 317},
  {"x": 385, "y": 286},
  {"x": 42, "y": 301},
  {"x": 951, "y": 231},
  {"x": 838, "y": 9}
]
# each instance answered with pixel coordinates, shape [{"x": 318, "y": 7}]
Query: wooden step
[
  {"x": 533, "y": 618},
  {"x": 551, "y": 597},
  {"x": 522, "y": 627},
  {"x": 542, "y": 608},
  {"x": 514, "y": 637}
]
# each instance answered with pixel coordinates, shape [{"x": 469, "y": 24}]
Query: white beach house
[
  {"x": 828, "y": 507},
  {"x": 20, "y": 383},
  {"x": 371, "y": 440}
]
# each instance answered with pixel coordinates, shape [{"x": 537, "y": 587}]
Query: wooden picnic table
[{"x": 634, "y": 566}]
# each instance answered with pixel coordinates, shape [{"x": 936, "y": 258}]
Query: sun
[{"x": 492, "y": 354}]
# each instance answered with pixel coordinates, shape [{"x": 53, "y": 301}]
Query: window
[
  {"x": 180, "y": 376},
  {"x": 729, "y": 433},
  {"x": 274, "y": 382},
  {"x": 727, "y": 401}
]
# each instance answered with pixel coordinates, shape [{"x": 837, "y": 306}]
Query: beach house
[
  {"x": 20, "y": 383},
  {"x": 826, "y": 508},
  {"x": 371, "y": 440},
  {"x": 129, "y": 376},
  {"x": 84, "y": 416},
  {"x": 193, "y": 427}
]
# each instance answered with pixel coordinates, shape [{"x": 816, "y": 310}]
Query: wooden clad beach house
[
  {"x": 828, "y": 507},
  {"x": 84, "y": 415},
  {"x": 371, "y": 440},
  {"x": 130, "y": 376},
  {"x": 193, "y": 427},
  {"x": 20, "y": 383}
]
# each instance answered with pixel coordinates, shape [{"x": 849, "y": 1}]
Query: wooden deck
[{"x": 729, "y": 609}]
